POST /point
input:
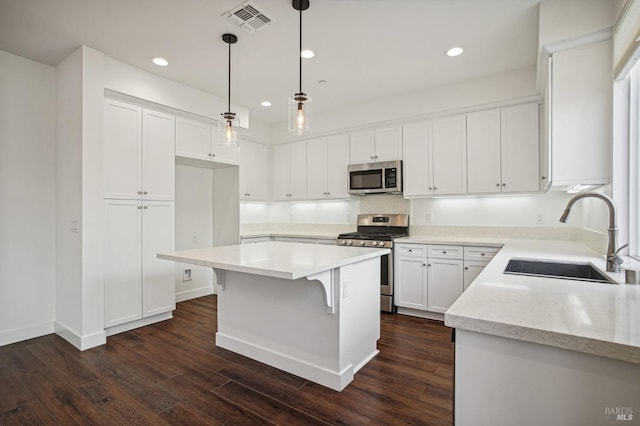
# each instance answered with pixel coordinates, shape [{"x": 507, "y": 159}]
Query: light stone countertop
[
  {"x": 275, "y": 258},
  {"x": 467, "y": 241},
  {"x": 594, "y": 318},
  {"x": 292, "y": 234}
]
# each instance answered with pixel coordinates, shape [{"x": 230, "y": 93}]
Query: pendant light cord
[
  {"x": 229, "y": 88},
  {"x": 300, "y": 52}
]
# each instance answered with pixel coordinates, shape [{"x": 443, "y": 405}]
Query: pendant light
[
  {"x": 300, "y": 103},
  {"x": 229, "y": 125}
]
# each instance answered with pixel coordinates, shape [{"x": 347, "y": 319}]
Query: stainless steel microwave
[{"x": 375, "y": 178}]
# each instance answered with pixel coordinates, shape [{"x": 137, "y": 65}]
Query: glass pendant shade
[
  {"x": 300, "y": 109},
  {"x": 228, "y": 130}
]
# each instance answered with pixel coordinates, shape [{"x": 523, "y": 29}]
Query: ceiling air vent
[{"x": 248, "y": 16}]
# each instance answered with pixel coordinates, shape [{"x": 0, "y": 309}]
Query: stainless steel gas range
[{"x": 379, "y": 230}]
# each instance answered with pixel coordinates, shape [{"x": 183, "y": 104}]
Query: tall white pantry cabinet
[{"x": 139, "y": 173}]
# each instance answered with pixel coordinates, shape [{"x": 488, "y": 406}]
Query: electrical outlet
[
  {"x": 186, "y": 275},
  {"x": 194, "y": 239},
  {"x": 539, "y": 219},
  {"x": 429, "y": 217}
]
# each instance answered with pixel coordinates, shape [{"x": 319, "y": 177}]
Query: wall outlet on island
[
  {"x": 186, "y": 275},
  {"x": 539, "y": 219}
]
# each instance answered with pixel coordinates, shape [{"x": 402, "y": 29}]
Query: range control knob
[
  {"x": 349, "y": 242},
  {"x": 361, "y": 243},
  {"x": 381, "y": 243}
]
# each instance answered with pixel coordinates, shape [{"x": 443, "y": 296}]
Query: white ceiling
[{"x": 365, "y": 49}]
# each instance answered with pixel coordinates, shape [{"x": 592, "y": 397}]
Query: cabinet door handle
[
  {"x": 145, "y": 207},
  {"x": 139, "y": 207},
  {"x": 466, "y": 268},
  {"x": 145, "y": 192},
  {"x": 481, "y": 254},
  {"x": 424, "y": 264},
  {"x": 213, "y": 155},
  {"x": 430, "y": 188},
  {"x": 435, "y": 188},
  {"x": 543, "y": 177},
  {"x": 504, "y": 184},
  {"x": 429, "y": 265},
  {"x": 410, "y": 250},
  {"x": 139, "y": 192},
  {"x": 444, "y": 252},
  {"x": 498, "y": 185}
]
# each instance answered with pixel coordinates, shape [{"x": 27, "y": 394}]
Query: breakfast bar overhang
[{"x": 312, "y": 310}]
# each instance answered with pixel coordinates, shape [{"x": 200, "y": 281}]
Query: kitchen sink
[{"x": 562, "y": 270}]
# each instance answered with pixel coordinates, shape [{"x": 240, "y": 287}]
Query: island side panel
[
  {"x": 359, "y": 313},
  {"x": 505, "y": 381}
]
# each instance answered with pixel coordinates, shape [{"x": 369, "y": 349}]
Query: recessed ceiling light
[
  {"x": 307, "y": 54},
  {"x": 161, "y": 62},
  {"x": 265, "y": 103},
  {"x": 455, "y": 51}
]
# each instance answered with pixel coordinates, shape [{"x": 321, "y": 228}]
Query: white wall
[
  {"x": 523, "y": 210},
  {"x": 27, "y": 194},
  {"x": 487, "y": 90},
  {"x": 194, "y": 227}
]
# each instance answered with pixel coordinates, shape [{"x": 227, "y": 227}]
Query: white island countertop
[
  {"x": 276, "y": 259},
  {"x": 594, "y": 318}
]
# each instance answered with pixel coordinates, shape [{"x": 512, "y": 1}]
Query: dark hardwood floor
[{"x": 172, "y": 372}]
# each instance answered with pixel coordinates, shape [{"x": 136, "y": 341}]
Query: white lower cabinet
[
  {"x": 138, "y": 284},
  {"x": 411, "y": 282},
  {"x": 444, "y": 283},
  {"x": 429, "y": 278},
  {"x": 472, "y": 269}
]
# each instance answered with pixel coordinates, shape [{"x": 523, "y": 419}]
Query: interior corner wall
[{"x": 27, "y": 191}]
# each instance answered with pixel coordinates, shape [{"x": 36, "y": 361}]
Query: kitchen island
[
  {"x": 534, "y": 350},
  {"x": 311, "y": 310}
]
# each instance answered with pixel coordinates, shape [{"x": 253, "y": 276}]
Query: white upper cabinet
[
  {"x": 199, "y": 140},
  {"x": 290, "y": 171},
  {"x": 434, "y": 155},
  {"x": 581, "y": 123},
  {"x": 416, "y": 166},
  {"x": 122, "y": 150},
  {"x": 254, "y": 159},
  {"x": 158, "y": 156},
  {"x": 520, "y": 148},
  {"x": 483, "y": 152},
  {"x": 193, "y": 139},
  {"x": 503, "y": 150},
  {"x": 383, "y": 144},
  {"x": 449, "y": 156},
  {"x": 139, "y": 153},
  {"x": 327, "y": 160}
]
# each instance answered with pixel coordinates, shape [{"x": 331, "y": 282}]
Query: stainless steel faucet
[{"x": 613, "y": 260}]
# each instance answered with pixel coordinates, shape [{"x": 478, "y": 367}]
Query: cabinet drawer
[
  {"x": 411, "y": 250},
  {"x": 483, "y": 254},
  {"x": 445, "y": 252}
]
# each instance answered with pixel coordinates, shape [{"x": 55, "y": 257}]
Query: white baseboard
[
  {"x": 81, "y": 342},
  {"x": 422, "y": 314},
  {"x": 194, "y": 294},
  {"x": 336, "y": 380},
  {"x": 24, "y": 333},
  {"x": 138, "y": 323}
]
